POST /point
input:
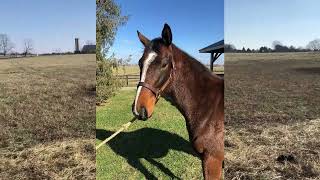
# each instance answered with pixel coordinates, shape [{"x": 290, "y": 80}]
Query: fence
[{"x": 131, "y": 80}]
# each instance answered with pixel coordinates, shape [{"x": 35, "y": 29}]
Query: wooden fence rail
[{"x": 133, "y": 79}]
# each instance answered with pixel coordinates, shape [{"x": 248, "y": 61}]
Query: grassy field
[
  {"x": 272, "y": 106},
  {"x": 47, "y": 117},
  {"x": 158, "y": 147}
]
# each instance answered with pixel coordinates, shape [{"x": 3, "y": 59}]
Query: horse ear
[
  {"x": 145, "y": 41},
  {"x": 166, "y": 34}
]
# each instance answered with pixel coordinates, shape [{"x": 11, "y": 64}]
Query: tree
[
  {"x": 108, "y": 20},
  {"x": 5, "y": 44},
  {"x": 229, "y": 48},
  {"x": 89, "y": 42},
  {"x": 279, "y": 47},
  {"x": 314, "y": 45},
  {"x": 57, "y": 51},
  {"x": 125, "y": 62},
  {"x": 264, "y": 49},
  {"x": 28, "y": 46},
  {"x": 292, "y": 49},
  {"x": 276, "y": 43}
]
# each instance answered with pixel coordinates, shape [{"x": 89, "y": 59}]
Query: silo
[{"x": 77, "y": 50}]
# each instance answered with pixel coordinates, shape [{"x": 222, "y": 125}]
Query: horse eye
[{"x": 165, "y": 64}]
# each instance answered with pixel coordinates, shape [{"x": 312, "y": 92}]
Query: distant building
[
  {"x": 76, "y": 44},
  {"x": 88, "y": 49}
]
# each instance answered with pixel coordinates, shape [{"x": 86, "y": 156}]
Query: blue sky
[
  {"x": 50, "y": 24},
  {"x": 253, "y": 23},
  {"x": 194, "y": 24}
]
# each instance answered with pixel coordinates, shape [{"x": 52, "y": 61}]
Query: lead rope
[
  {"x": 123, "y": 127},
  {"x": 126, "y": 126}
]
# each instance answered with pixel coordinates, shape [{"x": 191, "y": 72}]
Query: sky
[
  {"x": 51, "y": 25},
  {"x": 252, "y": 23},
  {"x": 194, "y": 25}
]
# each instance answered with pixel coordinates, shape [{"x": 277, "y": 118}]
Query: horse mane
[{"x": 196, "y": 65}]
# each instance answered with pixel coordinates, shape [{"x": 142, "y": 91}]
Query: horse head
[{"x": 156, "y": 66}]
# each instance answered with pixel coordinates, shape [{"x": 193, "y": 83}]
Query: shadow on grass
[
  {"x": 147, "y": 143},
  {"x": 309, "y": 70}
]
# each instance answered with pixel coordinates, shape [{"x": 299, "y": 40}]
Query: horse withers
[{"x": 167, "y": 71}]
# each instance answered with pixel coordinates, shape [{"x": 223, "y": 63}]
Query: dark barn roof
[
  {"x": 216, "y": 47},
  {"x": 89, "y": 49}
]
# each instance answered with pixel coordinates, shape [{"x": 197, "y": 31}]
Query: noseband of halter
[{"x": 156, "y": 91}]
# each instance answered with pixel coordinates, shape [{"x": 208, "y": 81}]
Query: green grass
[{"x": 158, "y": 147}]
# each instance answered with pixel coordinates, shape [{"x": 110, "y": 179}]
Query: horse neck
[{"x": 193, "y": 85}]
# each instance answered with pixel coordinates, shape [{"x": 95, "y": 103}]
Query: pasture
[
  {"x": 47, "y": 117},
  {"x": 158, "y": 147},
  {"x": 272, "y": 108}
]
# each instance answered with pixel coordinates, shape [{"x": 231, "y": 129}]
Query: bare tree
[
  {"x": 28, "y": 46},
  {"x": 89, "y": 42},
  {"x": 124, "y": 63},
  {"x": 57, "y": 51},
  {"x": 5, "y": 44},
  {"x": 314, "y": 45}
]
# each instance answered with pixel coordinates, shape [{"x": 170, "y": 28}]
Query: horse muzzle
[{"x": 142, "y": 114}]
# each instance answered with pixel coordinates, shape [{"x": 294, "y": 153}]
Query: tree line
[
  {"x": 109, "y": 19},
  {"x": 277, "y": 46},
  {"x": 7, "y": 46}
]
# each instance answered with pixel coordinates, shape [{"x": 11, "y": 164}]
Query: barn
[{"x": 88, "y": 49}]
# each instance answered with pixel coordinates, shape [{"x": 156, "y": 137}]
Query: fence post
[{"x": 127, "y": 80}]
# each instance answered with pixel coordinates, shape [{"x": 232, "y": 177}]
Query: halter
[{"x": 156, "y": 91}]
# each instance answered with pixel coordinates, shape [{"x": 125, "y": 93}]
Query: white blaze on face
[{"x": 150, "y": 58}]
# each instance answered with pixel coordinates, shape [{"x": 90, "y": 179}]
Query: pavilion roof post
[
  {"x": 215, "y": 50},
  {"x": 211, "y": 61}
]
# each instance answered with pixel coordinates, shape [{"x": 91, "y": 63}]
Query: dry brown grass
[
  {"x": 272, "y": 111},
  {"x": 46, "y": 102},
  {"x": 67, "y": 159}
]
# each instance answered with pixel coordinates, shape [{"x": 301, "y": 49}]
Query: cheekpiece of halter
[{"x": 155, "y": 91}]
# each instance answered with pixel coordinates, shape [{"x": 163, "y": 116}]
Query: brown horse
[{"x": 198, "y": 94}]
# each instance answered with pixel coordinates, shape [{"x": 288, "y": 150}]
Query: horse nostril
[
  {"x": 143, "y": 114},
  {"x": 132, "y": 108}
]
